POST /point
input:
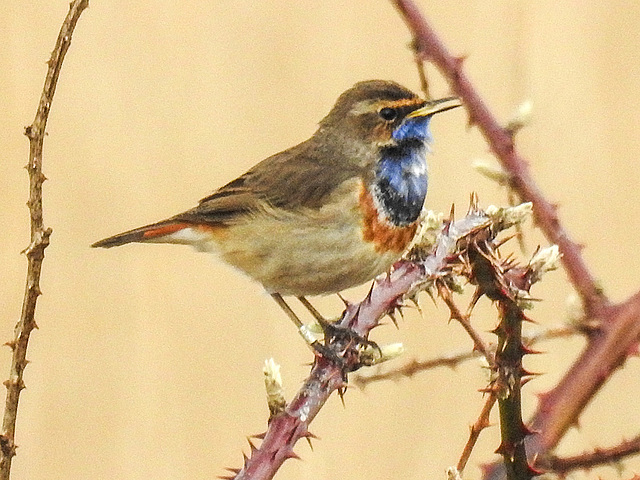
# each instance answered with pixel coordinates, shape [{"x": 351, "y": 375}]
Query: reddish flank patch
[
  {"x": 384, "y": 236},
  {"x": 164, "y": 230}
]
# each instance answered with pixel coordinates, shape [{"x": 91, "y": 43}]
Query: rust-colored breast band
[{"x": 385, "y": 237}]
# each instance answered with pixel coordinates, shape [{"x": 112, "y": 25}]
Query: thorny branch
[
  {"x": 618, "y": 331},
  {"x": 598, "y": 456},
  {"x": 39, "y": 240},
  {"x": 429, "y": 45},
  {"x": 347, "y": 342},
  {"x": 476, "y": 429},
  {"x": 452, "y": 360}
]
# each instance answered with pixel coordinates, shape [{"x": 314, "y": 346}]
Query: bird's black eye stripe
[{"x": 388, "y": 114}]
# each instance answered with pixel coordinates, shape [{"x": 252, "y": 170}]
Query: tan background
[{"x": 148, "y": 359}]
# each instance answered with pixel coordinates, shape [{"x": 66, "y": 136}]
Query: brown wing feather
[
  {"x": 295, "y": 179},
  {"x": 140, "y": 234},
  {"x": 301, "y": 177}
]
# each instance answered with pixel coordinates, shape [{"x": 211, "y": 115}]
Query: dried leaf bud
[
  {"x": 273, "y": 385},
  {"x": 506, "y": 217},
  {"x": 491, "y": 170}
]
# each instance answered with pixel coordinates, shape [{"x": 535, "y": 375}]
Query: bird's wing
[{"x": 298, "y": 178}]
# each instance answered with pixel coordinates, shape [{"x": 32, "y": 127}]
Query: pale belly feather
[{"x": 311, "y": 252}]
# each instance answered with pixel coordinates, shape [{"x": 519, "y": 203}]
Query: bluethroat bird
[{"x": 330, "y": 213}]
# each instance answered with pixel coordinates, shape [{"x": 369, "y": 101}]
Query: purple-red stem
[
  {"x": 619, "y": 332},
  {"x": 326, "y": 376},
  {"x": 431, "y": 48}
]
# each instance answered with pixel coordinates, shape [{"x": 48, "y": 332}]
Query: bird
[{"x": 330, "y": 213}]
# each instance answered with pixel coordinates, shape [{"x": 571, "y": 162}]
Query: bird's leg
[
  {"x": 314, "y": 344},
  {"x": 287, "y": 309},
  {"x": 312, "y": 310},
  {"x": 334, "y": 333}
]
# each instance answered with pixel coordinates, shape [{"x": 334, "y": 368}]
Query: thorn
[
  {"x": 292, "y": 454},
  {"x": 259, "y": 436},
  {"x": 501, "y": 242},
  {"x": 477, "y": 295},
  {"x": 346, "y": 302},
  {"x": 251, "y": 445},
  {"x": 498, "y": 331},
  {"x": 341, "y": 391},
  {"x": 309, "y": 442},
  {"x": 527, "y": 373},
  {"x": 432, "y": 297},
  {"x": 529, "y": 351},
  {"x": 474, "y": 202},
  {"x": 367, "y": 299},
  {"x": 391, "y": 314},
  {"x": 459, "y": 61},
  {"x": 414, "y": 300},
  {"x": 452, "y": 213},
  {"x": 502, "y": 449},
  {"x": 524, "y": 381},
  {"x": 11, "y": 344},
  {"x": 308, "y": 434},
  {"x": 533, "y": 471},
  {"x": 235, "y": 471}
]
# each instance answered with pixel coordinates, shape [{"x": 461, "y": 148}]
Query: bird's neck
[{"x": 400, "y": 183}]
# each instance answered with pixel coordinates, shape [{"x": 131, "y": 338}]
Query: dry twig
[
  {"x": 39, "y": 240},
  {"x": 599, "y": 456}
]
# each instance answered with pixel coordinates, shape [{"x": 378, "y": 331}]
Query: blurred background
[{"x": 148, "y": 360}]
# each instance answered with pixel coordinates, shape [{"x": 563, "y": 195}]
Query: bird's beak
[{"x": 436, "y": 106}]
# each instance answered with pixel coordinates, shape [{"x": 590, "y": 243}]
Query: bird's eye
[{"x": 388, "y": 114}]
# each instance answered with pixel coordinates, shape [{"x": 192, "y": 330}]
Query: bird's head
[
  {"x": 383, "y": 114},
  {"x": 381, "y": 129}
]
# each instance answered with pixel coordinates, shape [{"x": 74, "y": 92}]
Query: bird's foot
[{"x": 346, "y": 347}]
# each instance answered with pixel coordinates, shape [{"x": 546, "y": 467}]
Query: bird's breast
[
  {"x": 379, "y": 231},
  {"x": 401, "y": 182}
]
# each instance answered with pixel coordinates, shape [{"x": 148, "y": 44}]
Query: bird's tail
[{"x": 160, "y": 232}]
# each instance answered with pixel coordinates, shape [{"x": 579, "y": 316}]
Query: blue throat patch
[{"x": 401, "y": 176}]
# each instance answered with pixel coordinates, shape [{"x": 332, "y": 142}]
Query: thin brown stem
[
  {"x": 599, "y": 456},
  {"x": 478, "y": 343},
  {"x": 452, "y": 360},
  {"x": 414, "y": 367},
  {"x": 39, "y": 241},
  {"x": 480, "y": 424}
]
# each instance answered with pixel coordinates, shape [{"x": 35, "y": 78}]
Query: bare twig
[
  {"x": 598, "y": 456},
  {"x": 39, "y": 240},
  {"x": 452, "y": 360},
  {"x": 414, "y": 367},
  {"x": 478, "y": 343},
  {"x": 480, "y": 424}
]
